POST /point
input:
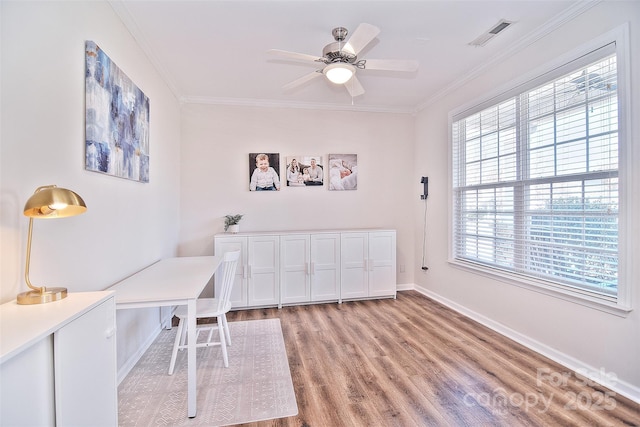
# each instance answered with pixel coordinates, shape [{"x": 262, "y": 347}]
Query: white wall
[
  {"x": 128, "y": 225},
  {"x": 217, "y": 140},
  {"x": 574, "y": 334}
]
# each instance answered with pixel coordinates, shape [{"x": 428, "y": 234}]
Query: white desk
[{"x": 169, "y": 282}]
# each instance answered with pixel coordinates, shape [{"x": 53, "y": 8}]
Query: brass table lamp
[{"x": 47, "y": 202}]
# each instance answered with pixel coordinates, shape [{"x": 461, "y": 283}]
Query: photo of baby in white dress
[{"x": 343, "y": 172}]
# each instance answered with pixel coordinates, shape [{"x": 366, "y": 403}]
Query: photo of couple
[{"x": 304, "y": 171}]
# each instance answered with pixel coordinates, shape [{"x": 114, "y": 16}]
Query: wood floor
[{"x": 414, "y": 362}]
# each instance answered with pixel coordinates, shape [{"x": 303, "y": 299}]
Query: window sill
[{"x": 607, "y": 306}]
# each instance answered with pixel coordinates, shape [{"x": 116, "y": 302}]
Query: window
[{"x": 535, "y": 181}]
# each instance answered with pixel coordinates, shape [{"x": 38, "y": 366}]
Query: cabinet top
[
  {"x": 285, "y": 232},
  {"x": 23, "y": 325}
]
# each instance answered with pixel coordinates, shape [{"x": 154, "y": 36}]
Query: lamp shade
[
  {"x": 339, "y": 72},
  {"x": 54, "y": 202}
]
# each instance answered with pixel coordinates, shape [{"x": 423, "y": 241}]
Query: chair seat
[{"x": 205, "y": 307}]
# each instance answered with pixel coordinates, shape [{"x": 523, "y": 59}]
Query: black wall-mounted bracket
[{"x": 425, "y": 181}]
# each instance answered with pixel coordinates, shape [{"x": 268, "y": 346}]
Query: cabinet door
[
  {"x": 325, "y": 267},
  {"x": 263, "y": 265},
  {"x": 27, "y": 386},
  {"x": 382, "y": 263},
  {"x": 239, "y": 292},
  {"x": 294, "y": 268},
  {"x": 86, "y": 385},
  {"x": 354, "y": 272}
]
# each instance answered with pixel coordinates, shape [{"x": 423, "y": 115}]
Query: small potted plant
[{"x": 231, "y": 223}]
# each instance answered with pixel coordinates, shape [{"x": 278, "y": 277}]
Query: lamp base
[{"x": 42, "y": 297}]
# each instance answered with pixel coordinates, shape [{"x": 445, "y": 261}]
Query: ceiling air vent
[{"x": 491, "y": 33}]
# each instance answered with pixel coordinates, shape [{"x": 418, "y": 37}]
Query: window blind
[{"x": 535, "y": 179}]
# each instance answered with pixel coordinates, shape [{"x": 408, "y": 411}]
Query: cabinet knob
[{"x": 110, "y": 333}]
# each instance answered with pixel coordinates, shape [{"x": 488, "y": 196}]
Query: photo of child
[{"x": 263, "y": 172}]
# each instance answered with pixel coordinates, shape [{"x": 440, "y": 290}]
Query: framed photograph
[
  {"x": 304, "y": 171},
  {"x": 116, "y": 120},
  {"x": 264, "y": 172},
  {"x": 343, "y": 172}
]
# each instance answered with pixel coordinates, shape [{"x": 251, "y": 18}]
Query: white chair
[{"x": 208, "y": 308}]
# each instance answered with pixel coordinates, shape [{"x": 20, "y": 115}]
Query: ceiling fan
[{"x": 341, "y": 60}]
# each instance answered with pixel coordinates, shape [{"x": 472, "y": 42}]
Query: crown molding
[
  {"x": 121, "y": 9},
  {"x": 245, "y": 102}
]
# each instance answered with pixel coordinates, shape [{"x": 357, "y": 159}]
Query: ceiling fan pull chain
[{"x": 351, "y": 91}]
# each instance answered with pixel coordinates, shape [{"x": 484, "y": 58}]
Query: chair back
[{"x": 228, "y": 271}]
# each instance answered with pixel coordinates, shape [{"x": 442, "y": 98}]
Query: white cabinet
[
  {"x": 262, "y": 270},
  {"x": 301, "y": 267},
  {"x": 368, "y": 264},
  {"x": 85, "y": 359},
  {"x": 325, "y": 267},
  {"x": 258, "y": 273},
  {"x": 295, "y": 254},
  {"x": 355, "y": 271},
  {"x": 26, "y": 381},
  {"x": 382, "y": 263},
  {"x": 309, "y": 267},
  {"x": 58, "y": 362}
]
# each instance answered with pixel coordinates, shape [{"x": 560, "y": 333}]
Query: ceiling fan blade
[
  {"x": 354, "y": 87},
  {"x": 362, "y": 36},
  {"x": 293, "y": 55},
  {"x": 302, "y": 80},
  {"x": 391, "y": 64}
]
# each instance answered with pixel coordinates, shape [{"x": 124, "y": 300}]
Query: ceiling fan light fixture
[{"x": 339, "y": 72}]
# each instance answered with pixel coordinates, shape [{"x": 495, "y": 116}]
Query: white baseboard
[
  {"x": 129, "y": 364},
  {"x": 594, "y": 374},
  {"x": 166, "y": 315},
  {"x": 406, "y": 287}
]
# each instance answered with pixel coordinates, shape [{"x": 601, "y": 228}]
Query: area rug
[{"x": 256, "y": 386}]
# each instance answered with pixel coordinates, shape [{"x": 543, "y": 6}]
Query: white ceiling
[{"x": 215, "y": 51}]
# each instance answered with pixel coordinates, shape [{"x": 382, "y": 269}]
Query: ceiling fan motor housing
[{"x": 339, "y": 51}]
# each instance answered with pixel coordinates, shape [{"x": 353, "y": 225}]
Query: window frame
[{"x": 620, "y": 304}]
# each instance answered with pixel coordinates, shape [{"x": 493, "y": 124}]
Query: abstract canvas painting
[{"x": 117, "y": 119}]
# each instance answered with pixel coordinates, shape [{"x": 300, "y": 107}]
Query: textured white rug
[{"x": 256, "y": 386}]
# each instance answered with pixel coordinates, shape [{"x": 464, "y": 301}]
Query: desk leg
[{"x": 191, "y": 357}]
